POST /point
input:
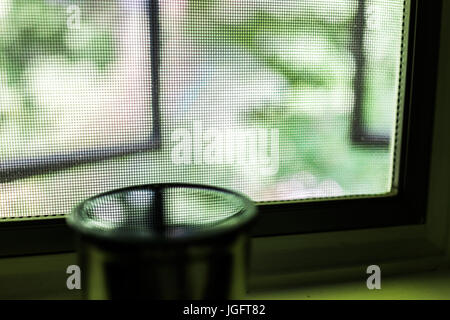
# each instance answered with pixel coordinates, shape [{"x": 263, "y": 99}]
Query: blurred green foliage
[
  {"x": 32, "y": 27},
  {"x": 38, "y": 28},
  {"x": 311, "y": 141}
]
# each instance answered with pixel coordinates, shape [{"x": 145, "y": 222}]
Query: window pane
[{"x": 262, "y": 96}]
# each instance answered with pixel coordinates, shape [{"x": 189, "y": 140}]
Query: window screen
[{"x": 281, "y": 100}]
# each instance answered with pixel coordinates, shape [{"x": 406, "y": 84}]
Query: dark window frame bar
[
  {"x": 406, "y": 207},
  {"x": 24, "y": 168},
  {"x": 360, "y": 133}
]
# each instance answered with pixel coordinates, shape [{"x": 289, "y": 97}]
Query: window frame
[{"x": 407, "y": 207}]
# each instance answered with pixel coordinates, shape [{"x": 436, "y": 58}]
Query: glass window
[{"x": 281, "y": 100}]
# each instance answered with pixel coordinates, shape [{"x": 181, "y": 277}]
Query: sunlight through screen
[{"x": 280, "y": 100}]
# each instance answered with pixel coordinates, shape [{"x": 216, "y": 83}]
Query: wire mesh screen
[
  {"x": 281, "y": 100},
  {"x": 69, "y": 85}
]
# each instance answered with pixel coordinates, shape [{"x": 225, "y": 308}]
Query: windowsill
[
  {"x": 284, "y": 267},
  {"x": 36, "y": 278},
  {"x": 434, "y": 285}
]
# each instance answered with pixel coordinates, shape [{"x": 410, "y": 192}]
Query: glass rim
[{"x": 231, "y": 225}]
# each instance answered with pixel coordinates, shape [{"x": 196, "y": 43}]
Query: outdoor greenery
[
  {"x": 32, "y": 33},
  {"x": 309, "y": 44}
]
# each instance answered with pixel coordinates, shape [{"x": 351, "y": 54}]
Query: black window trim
[{"x": 406, "y": 207}]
